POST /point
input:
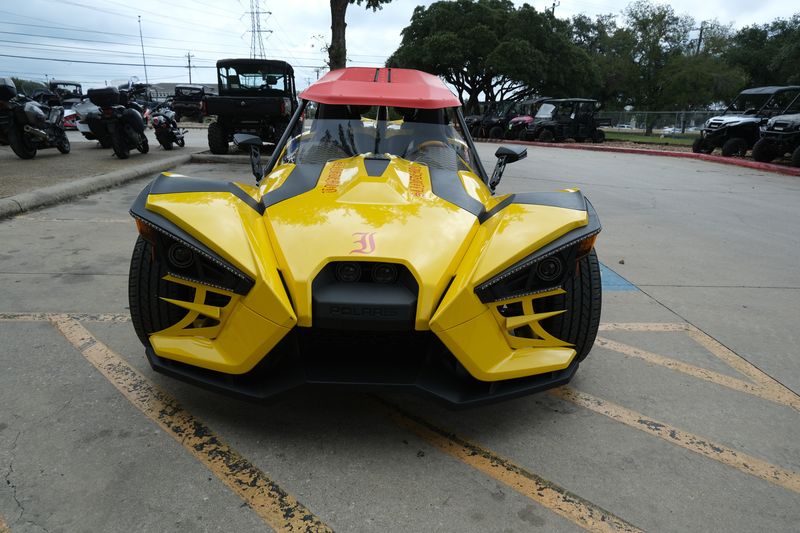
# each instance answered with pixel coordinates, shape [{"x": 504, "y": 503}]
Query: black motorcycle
[
  {"x": 27, "y": 125},
  {"x": 119, "y": 119},
  {"x": 166, "y": 127}
]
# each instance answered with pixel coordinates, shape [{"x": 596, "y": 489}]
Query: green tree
[
  {"x": 768, "y": 53},
  {"x": 27, "y": 86},
  {"x": 491, "y": 48},
  {"x": 337, "y": 50}
]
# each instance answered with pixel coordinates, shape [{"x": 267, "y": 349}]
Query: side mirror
[
  {"x": 505, "y": 155},
  {"x": 255, "y": 144}
]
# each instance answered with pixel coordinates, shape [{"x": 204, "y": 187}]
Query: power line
[{"x": 62, "y": 60}]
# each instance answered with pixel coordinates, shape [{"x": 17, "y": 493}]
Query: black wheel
[
  {"x": 105, "y": 142},
  {"x": 120, "y": 144},
  {"x": 496, "y": 132},
  {"x": 166, "y": 144},
  {"x": 475, "y": 132},
  {"x": 146, "y": 286},
  {"x": 200, "y": 118},
  {"x": 734, "y": 147},
  {"x": 143, "y": 145},
  {"x": 63, "y": 145},
  {"x": 217, "y": 139},
  {"x": 763, "y": 151},
  {"x": 598, "y": 136},
  {"x": 702, "y": 146},
  {"x": 180, "y": 142},
  {"x": 582, "y": 301},
  {"x": 546, "y": 136},
  {"x": 796, "y": 157},
  {"x": 21, "y": 144}
]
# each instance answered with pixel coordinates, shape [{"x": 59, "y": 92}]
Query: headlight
[
  {"x": 189, "y": 259},
  {"x": 545, "y": 269}
]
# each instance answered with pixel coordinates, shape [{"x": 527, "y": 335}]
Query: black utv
[
  {"x": 256, "y": 96},
  {"x": 494, "y": 122},
  {"x": 738, "y": 128},
  {"x": 558, "y": 119},
  {"x": 781, "y": 136},
  {"x": 189, "y": 101}
]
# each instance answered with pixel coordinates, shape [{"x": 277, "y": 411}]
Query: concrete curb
[
  {"x": 219, "y": 158},
  {"x": 768, "y": 167},
  {"x": 19, "y": 203}
]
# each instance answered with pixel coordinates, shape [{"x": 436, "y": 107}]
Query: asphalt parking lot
[{"x": 683, "y": 418}]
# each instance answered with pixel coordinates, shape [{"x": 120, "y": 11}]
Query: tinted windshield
[
  {"x": 251, "y": 78},
  {"x": 67, "y": 88},
  {"x": 425, "y": 136},
  {"x": 187, "y": 91}
]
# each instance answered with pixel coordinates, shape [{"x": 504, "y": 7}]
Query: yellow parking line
[
  {"x": 695, "y": 443},
  {"x": 554, "y": 498},
  {"x": 781, "y": 396},
  {"x": 84, "y": 317},
  {"x": 3, "y": 526},
  {"x": 643, "y": 326},
  {"x": 274, "y": 505}
]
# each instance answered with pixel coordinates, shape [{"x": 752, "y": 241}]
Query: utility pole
[
  {"x": 141, "y": 40},
  {"x": 700, "y": 37},
  {"x": 556, "y": 3},
  {"x": 189, "y": 57}
]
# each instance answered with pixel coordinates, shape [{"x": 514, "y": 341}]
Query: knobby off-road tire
[
  {"x": 120, "y": 144},
  {"x": 149, "y": 313},
  {"x": 582, "y": 302},
  {"x": 599, "y": 136},
  {"x": 546, "y": 136},
  {"x": 735, "y": 147},
  {"x": 701, "y": 146},
  {"x": 20, "y": 144},
  {"x": 217, "y": 139},
  {"x": 763, "y": 151},
  {"x": 496, "y": 133}
]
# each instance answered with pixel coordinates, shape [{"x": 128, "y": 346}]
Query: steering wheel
[{"x": 423, "y": 145}]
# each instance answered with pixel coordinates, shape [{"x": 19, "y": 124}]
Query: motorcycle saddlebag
[
  {"x": 104, "y": 97},
  {"x": 7, "y": 89}
]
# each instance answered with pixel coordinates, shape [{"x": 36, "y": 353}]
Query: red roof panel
[{"x": 396, "y": 87}]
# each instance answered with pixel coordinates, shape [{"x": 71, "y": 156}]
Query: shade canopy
[{"x": 395, "y": 87}]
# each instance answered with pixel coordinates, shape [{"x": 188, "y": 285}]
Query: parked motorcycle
[
  {"x": 166, "y": 127},
  {"x": 28, "y": 126},
  {"x": 119, "y": 119}
]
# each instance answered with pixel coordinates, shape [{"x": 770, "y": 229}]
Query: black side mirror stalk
[
  {"x": 255, "y": 144},
  {"x": 505, "y": 155}
]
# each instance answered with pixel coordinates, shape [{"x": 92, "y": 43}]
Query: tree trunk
[{"x": 337, "y": 51}]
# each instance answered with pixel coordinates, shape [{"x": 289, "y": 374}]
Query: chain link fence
[{"x": 658, "y": 121}]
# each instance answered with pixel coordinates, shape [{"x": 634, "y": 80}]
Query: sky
[{"x": 65, "y": 31}]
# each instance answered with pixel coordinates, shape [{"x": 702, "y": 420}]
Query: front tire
[
  {"x": 582, "y": 302},
  {"x": 20, "y": 144},
  {"x": 546, "y": 136},
  {"x": 496, "y": 132},
  {"x": 701, "y": 146},
  {"x": 146, "y": 286},
  {"x": 144, "y": 145},
  {"x": 763, "y": 152},
  {"x": 217, "y": 139},
  {"x": 735, "y": 147},
  {"x": 63, "y": 145},
  {"x": 796, "y": 157},
  {"x": 599, "y": 136}
]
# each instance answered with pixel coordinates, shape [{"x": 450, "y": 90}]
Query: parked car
[
  {"x": 738, "y": 128},
  {"x": 256, "y": 96},
  {"x": 371, "y": 254},
  {"x": 558, "y": 119}
]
